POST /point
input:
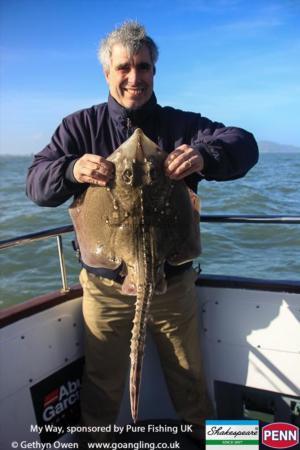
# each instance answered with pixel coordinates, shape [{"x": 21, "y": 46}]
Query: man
[{"x": 76, "y": 157}]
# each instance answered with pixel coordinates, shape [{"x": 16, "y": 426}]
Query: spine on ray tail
[{"x": 145, "y": 290}]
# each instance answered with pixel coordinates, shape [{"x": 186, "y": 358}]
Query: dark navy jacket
[{"x": 228, "y": 152}]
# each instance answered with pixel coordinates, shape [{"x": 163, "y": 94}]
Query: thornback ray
[{"x": 140, "y": 221}]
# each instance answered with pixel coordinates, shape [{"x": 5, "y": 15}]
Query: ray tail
[
  {"x": 145, "y": 291},
  {"x": 138, "y": 345}
]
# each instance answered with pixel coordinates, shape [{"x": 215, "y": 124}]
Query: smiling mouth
[{"x": 135, "y": 91}]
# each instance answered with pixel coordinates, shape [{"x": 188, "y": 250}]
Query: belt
[
  {"x": 115, "y": 275},
  {"x": 105, "y": 273}
]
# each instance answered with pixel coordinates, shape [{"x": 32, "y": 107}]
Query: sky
[{"x": 233, "y": 61}]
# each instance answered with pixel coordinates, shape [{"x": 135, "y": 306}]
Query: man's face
[{"x": 130, "y": 78}]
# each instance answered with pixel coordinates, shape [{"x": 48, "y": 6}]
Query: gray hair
[{"x": 131, "y": 35}]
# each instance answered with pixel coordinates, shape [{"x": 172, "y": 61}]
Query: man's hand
[
  {"x": 183, "y": 161},
  {"x": 93, "y": 169}
]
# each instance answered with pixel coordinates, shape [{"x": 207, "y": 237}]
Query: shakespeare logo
[
  {"x": 56, "y": 400},
  {"x": 280, "y": 435},
  {"x": 232, "y": 433}
]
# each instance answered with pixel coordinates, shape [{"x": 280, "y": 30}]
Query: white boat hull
[{"x": 250, "y": 340}]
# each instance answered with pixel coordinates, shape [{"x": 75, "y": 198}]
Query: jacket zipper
[{"x": 129, "y": 127}]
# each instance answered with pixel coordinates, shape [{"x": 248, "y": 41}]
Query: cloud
[
  {"x": 212, "y": 6},
  {"x": 12, "y": 55},
  {"x": 29, "y": 119},
  {"x": 250, "y": 25}
]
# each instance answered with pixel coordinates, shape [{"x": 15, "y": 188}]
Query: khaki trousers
[{"x": 108, "y": 316}]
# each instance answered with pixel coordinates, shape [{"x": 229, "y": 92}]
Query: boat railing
[
  {"x": 42, "y": 235},
  {"x": 58, "y": 232}
]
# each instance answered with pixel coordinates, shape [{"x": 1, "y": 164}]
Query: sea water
[{"x": 251, "y": 250}]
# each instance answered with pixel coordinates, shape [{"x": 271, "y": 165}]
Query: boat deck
[{"x": 249, "y": 333}]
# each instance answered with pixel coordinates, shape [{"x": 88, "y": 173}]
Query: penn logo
[{"x": 280, "y": 435}]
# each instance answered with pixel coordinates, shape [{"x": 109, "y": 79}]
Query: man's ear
[
  {"x": 154, "y": 70},
  {"x": 106, "y": 74}
]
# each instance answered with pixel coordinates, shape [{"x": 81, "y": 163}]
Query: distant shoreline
[
  {"x": 262, "y": 152},
  {"x": 274, "y": 147},
  {"x": 264, "y": 148}
]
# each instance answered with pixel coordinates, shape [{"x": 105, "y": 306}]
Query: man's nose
[{"x": 133, "y": 76}]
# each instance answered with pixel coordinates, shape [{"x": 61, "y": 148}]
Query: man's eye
[
  {"x": 123, "y": 68},
  {"x": 144, "y": 66}
]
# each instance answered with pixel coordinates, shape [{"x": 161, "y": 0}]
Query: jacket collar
[{"x": 137, "y": 116}]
